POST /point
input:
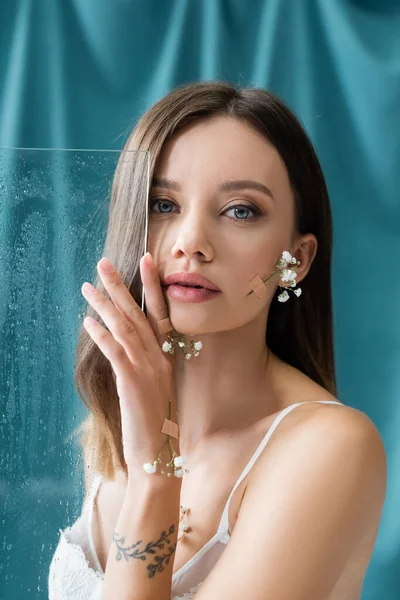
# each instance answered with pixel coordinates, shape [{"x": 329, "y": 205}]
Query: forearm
[{"x": 141, "y": 557}]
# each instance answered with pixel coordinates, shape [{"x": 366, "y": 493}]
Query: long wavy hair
[{"x": 300, "y": 333}]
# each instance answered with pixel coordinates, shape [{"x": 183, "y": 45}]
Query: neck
[{"x": 230, "y": 385}]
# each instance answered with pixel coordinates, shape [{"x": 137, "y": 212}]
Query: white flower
[
  {"x": 179, "y": 461},
  {"x": 166, "y": 347},
  {"x": 293, "y": 284},
  {"x": 282, "y": 264},
  {"x": 196, "y": 353},
  {"x": 181, "y": 344},
  {"x": 183, "y": 527},
  {"x": 288, "y": 275},
  {"x": 286, "y": 256},
  {"x": 297, "y": 292},
  {"x": 283, "y": 297},
  {"x": 294, "y": 260},
  {"x": 178, "y": 473},
  {"x": 197, "y": 345},
  {"x": 188, "y": 355},
  {"x": 149, "y": 468}
]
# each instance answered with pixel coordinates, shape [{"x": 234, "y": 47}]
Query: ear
[{"x": 305, "y": 250}]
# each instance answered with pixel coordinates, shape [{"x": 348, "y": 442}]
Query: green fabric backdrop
[{"x": 77, "y": 74}]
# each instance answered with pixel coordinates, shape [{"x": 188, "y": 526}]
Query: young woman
[{"x": 282, "y": 486}]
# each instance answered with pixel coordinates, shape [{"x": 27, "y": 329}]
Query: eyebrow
[{"x": 225, "y": 186}]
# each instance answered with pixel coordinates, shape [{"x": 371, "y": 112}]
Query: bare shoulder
[
  {"x": 328, "y": 441},
  {"x": 311, "y": 509},
  {"x": 314, "y": 427}
]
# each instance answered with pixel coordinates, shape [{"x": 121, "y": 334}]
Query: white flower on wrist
[{"x": 150, "y": 467}]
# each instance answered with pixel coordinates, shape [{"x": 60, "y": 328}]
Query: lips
[{"x": 189, "y": 280}]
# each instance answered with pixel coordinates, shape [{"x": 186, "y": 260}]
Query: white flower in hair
[{"x": 283, "y": 296}]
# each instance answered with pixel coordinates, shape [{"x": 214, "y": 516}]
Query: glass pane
[{"x": 54, "y": 216}]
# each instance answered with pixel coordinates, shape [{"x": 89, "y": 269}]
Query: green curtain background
[{"x": 78, "y": 74}]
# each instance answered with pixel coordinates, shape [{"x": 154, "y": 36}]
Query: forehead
[{"x": 222, "y": 148}]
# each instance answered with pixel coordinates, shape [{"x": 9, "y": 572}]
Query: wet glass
[{"x": 54, "y": 210}]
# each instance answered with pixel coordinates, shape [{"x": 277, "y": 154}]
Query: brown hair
[{"x": 300, "y": 333}]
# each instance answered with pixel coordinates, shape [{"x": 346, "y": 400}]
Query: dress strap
[
  {"x": 97, "y": 479},
  {"x": 224, "y": 523}
]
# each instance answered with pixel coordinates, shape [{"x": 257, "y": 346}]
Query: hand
[{"x": 144, "y": 374}]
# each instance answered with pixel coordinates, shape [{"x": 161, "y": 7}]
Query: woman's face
[{"x": 226, "y": 235}]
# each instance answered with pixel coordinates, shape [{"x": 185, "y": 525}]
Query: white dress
[{"x": 75, "y": 572}]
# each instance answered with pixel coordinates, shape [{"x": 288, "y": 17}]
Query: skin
[
  {"x": 194, "y": 230},
  {"x": 313, "y": 527}
]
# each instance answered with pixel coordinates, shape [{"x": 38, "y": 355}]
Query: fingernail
[
  {"x": 149, "y": 259},
  {"x": 106, "y": 265}
]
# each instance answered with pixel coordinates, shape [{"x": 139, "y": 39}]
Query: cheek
[
  {"x": 256, "y": 259},
  {"x": 156, "y": 241}
]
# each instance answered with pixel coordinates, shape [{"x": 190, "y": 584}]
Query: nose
[{"x": 193, "y": 234}]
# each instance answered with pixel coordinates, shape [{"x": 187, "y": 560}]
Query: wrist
[{"x": 149, "y": 483}]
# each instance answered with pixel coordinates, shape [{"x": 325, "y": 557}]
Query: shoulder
[
  {"x": 316, "y": 496},
  {"x": 336, "y": 426},
  {"x": 327, "y": 441}
]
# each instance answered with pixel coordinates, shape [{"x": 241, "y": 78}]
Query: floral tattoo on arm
[{"x": 151, "y": 548}]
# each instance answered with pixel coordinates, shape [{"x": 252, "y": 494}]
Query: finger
[
  {"x": 121, "y": 329},
  {"x": 127, "y": 307},
  {"x": 157, "y": 308},
  {"x": 111, "y": 349}
]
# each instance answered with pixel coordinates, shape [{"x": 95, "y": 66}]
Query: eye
[
  {"x": 244, "y": 208},
  {"x": 165, "y": 207},
  {"x": 161, "y": 202}
]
